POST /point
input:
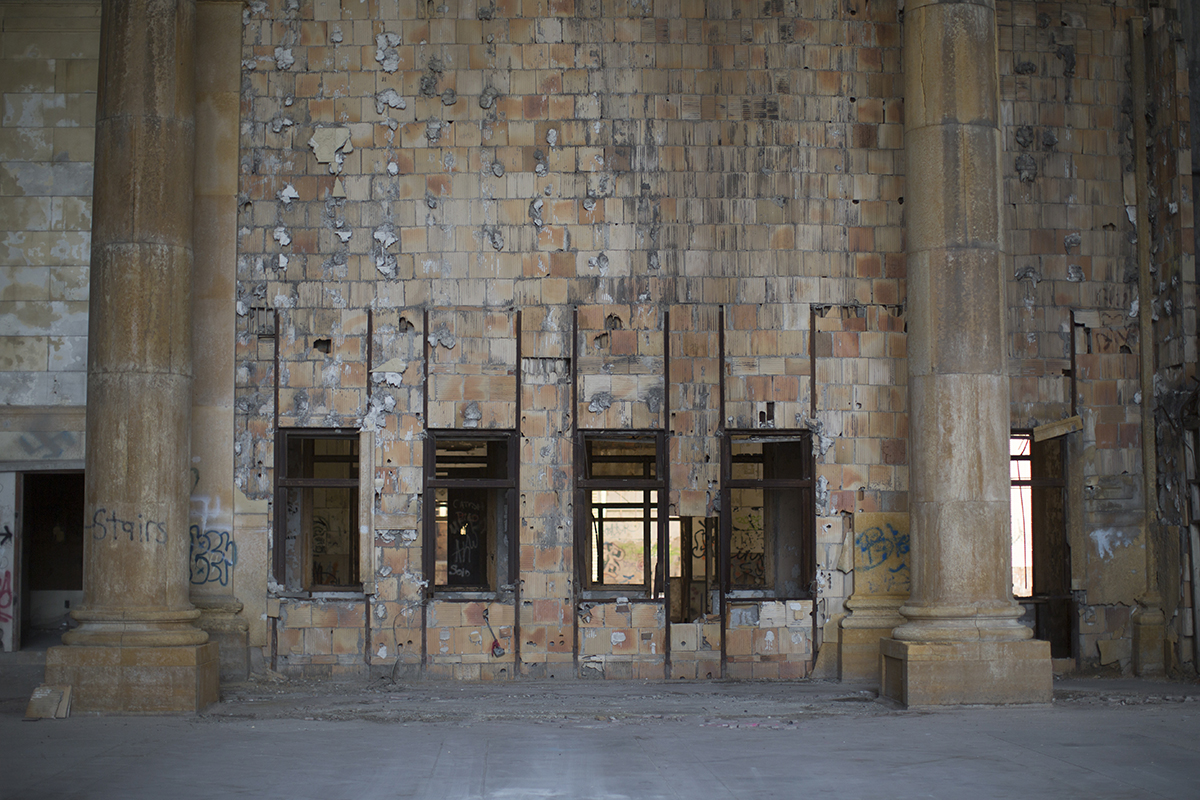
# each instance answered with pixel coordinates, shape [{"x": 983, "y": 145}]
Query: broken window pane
[
  {"x": 472, "y": 485},
  {"x": 770, "y": 534},
  {"x": 621, "y": 541},
  {"x": 318, "y": 485},
  {"x": 1040, "y": 553}
]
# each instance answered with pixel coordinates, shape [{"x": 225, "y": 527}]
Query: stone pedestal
[
  {"x": 871, "y": 620},
  {"x": 221, "y": 618},
  {"x": 881, "y": 585},
  {"x": 137, "y": 680},
  {"x": 1149, "y": 638},
  {"x": 919, "y": 674}
]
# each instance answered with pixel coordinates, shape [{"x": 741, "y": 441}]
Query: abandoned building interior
[{"x": 612, "y": 339}]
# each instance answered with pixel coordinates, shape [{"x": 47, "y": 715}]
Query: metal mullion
[
  {"x": 597, "y": 562},
  {"x": 726, "y": 520},
  {"x": 771, "y": 483},
  {"x": 623, "y": 459},
  {"x": 318, "y": 483},
  {"x": 647, "y": 567},
  {"x": 470, "y": 483},
  {"x": 620, "y": 485}
]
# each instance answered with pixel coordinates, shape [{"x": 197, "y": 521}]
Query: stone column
[
  {"x": 137, "y": 649},
  {"x": 962, "y": 642}
]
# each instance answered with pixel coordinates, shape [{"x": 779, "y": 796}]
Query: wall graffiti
[
  {"x": 46, "y": 445},
  {"x": 881, "y": 559},
  {"x": 6, "y": 589},
  {"x": 212, "y": 552},
  {"x": 6, "y": 597},
  {"x": 212, "y": 556},
  {"x": 747, "y": 557},
  {"x": 143, "y": 529},
  {"x": 880, "y": 545},
  {"x": 621, "y": 567},
  {"x": 9, "y": 593},
  {"x": 747, "y": 568},
  {"x": 467, "y": 531}
]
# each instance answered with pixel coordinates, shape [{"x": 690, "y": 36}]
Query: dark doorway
[
  {"x": 52, "y": 539},
  {"x": 1041, "y": 555}
]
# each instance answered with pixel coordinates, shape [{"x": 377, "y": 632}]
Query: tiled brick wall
[
  {"x": 48, "y": 84},
  {"x": 643, "y": 171},
  {"x": 1070, "y": 197},
  {"x": 624, "y": 169}
]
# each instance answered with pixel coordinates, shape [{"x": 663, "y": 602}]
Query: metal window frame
[
  {"x": 1059, "y": 483},
  {"x": 805, "y": 484},
  {"x": 658, "y": 527},
  {"x": 429, "y": 516},
  {"x": 284, "y": 482}
]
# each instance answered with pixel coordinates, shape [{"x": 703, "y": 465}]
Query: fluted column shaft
[
  {"x": 139, "y": 332},
  {"x": 957, "y": 371}
]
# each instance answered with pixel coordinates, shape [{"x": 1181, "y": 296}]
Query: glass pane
[
  {"x": 1022, "y": 540},
  {"x": 334, "y": 550},
  {"x": 623, "y": 537},
  {"x": 472, "y": 458},
  {"x": 1019, "y": 450},
  {"x": 322, "y": 457},
  {"x": 469, "y": 523},
  {"x": 747, "y": 551},
  {"x": 622, "y": 458},
  {"x": 747, "y": 460}
]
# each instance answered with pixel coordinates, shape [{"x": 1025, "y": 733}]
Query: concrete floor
[{"x": 579, "y": 739}]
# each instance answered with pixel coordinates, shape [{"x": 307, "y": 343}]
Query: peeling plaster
[{"x": 330, "y": 146}]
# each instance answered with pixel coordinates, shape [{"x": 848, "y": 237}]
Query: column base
[
  {"x": 871, "y": 620},
  {"x": 137, "y": 680},
  {"x": 960, "y": 673},
  {"x": 1149, "y": 642},
  {"x": 221, "y": 618}
]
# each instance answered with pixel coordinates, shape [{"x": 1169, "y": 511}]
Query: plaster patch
[{"x": 330, "y": 146}]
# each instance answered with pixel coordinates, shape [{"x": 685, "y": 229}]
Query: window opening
[
  {"x": 623, "y": 547},
  {"x": 1040, "y": 554},
  {"x": 317, "y": 508},
  {"x": 472, "y": 479},
  {"x": 693, "y": 546},
  {"x": 769, "y": 535}
]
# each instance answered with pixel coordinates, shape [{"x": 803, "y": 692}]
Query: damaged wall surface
[{"x": 570, "y": 338}]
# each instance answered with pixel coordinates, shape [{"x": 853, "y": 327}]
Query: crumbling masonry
[{"x": 647, "y": 339}]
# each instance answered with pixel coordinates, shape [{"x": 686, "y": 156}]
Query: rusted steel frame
[
  {"x": 726, "y": 523},
  {"x": 577, "y": 491},
  {"x": 664, "y": 497},
  {"x": 426, "y": 518}
]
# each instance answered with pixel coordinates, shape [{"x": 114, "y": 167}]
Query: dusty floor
[{"x": 288, "y": 739}]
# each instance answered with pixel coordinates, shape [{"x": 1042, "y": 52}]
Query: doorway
[
  {"x": 51, "y": 517},
  {"x": 1041, "y": 557}
]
